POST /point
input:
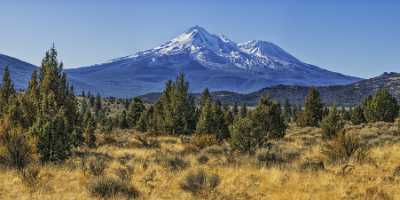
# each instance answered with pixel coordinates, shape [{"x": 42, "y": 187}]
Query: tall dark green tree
[
  {"x": 243, "y": 110},
  {"x": 89, "y": 129},
  {"x": 313, "y": 109},
  {"x": 332, "y": 123},
  {"x": 136, "y": 108},
  {"x": 357, "y": 115},
  {"x": 57, "y": 122},
  {"x": 267, "y": 117},
  {"x": 220, "y": 129},
  {"x": 381, "y": 107},
  {"x": 205, "y": 123},
  {"x": 287, "y": 110},
  {"x": 6, "y": 90}
]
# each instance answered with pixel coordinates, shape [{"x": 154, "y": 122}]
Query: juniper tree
[
  {"x": 57, "y": 121},
  {"x": 220, "y": 129},
  {"x": 313, "y": 109},
  {"x": 89, "y": 129},
  {"x": 332, "y": 123},
  {"x": 205, "y": 123},
  {"x": 136, "y": 108},
  {"x": 243, "y": 110},
  {"x": 228, "y": 115},
  {"x": 381, "y": 107},
  {"x": 357, "y": 115},
  {"x": 235, "y": 110},
  {"x": 244, "y": 137},
  {"x": 6, "y": 90},
  {"x": 287, "y": 110},
  {"x": 267, "y": 118},
  {"x": 123, "y": 121}
]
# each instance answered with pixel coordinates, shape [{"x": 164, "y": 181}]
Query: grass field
[{"x": 127, "y": 165}]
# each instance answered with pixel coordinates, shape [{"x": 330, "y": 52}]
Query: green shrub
[
  {"x": 199, "y": 182},
  {"x": 16, "y": 151},
  {"x": 331, "y": 124},
  {"x": 148, "y": 142},
  {"x": 343, "y": 147},
  {"x": 202, "y": 159},
  {"x": 97, "y": 166},
  {"x": 203, "y": 140},
  {"x": 269, "y": 157},
  {"x": 312, "y": 165},
  {"x": 108, "y": 187},
  {"x": 245, "y": 137},
  {"x": 171, "y": 162}
]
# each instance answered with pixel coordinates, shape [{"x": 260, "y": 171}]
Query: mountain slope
[
  {"x": 21, "y": 73},
  {"x": 207, "y": 60},
  {"x": 343, "y": 95}
]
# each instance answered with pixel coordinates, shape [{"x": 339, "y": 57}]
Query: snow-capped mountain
[{"x": 206, "y": 59}]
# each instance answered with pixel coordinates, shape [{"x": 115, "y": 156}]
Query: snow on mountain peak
[{"x": 267, "y": 50}]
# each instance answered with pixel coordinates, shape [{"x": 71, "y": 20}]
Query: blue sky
[{"x": 352, "y": 37}]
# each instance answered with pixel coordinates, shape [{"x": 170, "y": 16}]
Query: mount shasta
[{"x": 207, "y": 60}]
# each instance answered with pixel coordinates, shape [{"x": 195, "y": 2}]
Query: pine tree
[
  {"x": 235, "y": 110},
  {"x": 220, "y": 129},
  {"x": 57, "y": 123},
  {"x": 357, "y": 115},
  {"x": 228, "y": 115},
  {"x": 244, "y": 137},
  {"x": 381, "y": 107},
  {"x": 123, "y": 121},
  {"x": 205, "y": 123},
  {"x": 205, "y": 96},
  {"x": 243, "y": 111},
  {"x": 30, "y": 101},
  {"x": 178, "y": 107},
  {"x": 287, "y": 111},
  {"x": 332, "y": 124},
  {"x": 136, "y": 108},
  {"x": 89, "y": 129},
  {"x": 6, "y": 91},
  {"x": 313, "y": 109},
  {"x": 267, "y": 118},
  {"x": 145, "y": 121}
]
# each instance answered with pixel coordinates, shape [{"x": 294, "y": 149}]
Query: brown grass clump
[{"x": 200, "y": 183}]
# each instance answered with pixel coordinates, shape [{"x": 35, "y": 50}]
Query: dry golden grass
[{"x": 241, "y": 176}]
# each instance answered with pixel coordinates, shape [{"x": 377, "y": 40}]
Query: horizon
[{"x": 85, "y": 34}]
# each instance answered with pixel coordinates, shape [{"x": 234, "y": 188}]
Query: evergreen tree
[
  {"x": 313, "y": 109},
  {"x": 346, "y": 114},
  {"x": 123, "y": 121},
  {"x": 287, "y": 111},
  {"x": 6, "y": 91},
  {"x": 136, "y": 108},
  {"x": 235, "y": 110},
  {"x": 205, "y": 96},
  {"x": 243, "y": 111},
  {"x": 57, "y": 121},
  {"x": 267, "y": 118},
  {"x": 381, "y": 107},
  {"x": 89, "y": 129},
  {"x": 220, "y": 129},
  {"x": 332, "y": 123},
  {"x": 205, "y": 123},
  {"x": 244, "y": 137},
  {"x": 357, "y": 115},
  {"x": 228, "y": 115},
  {"x": 97, "y": 103},
  {"x": 178, "y": 107},
  {"x": 145, "y": 121}
]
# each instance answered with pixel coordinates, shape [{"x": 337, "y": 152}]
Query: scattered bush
[
  {"x": 124, "y": 173},
  {"x": 172, "y": 162},
  {"x": 381, "y": 107},
  {"x": 343, "y": 147},
  {"x": 331, "y": 124},
  {"x": 97, "y": 166},
  {"x": 215, "y": 150},
  {"x": 107, "y": 187},
  {"x": 15, "y": 149},
  {"x": 202, "y": 159},
  {"x": 30, "y": 176},
  {"x": 147, "y": 142},
  {"x": 269, "y": 157},
  {"x": 203, "y": 140},
  {"x": 312, "y": 165},
  {"x": 244, "y": 137},
  {"x": 199, "y": 182}
]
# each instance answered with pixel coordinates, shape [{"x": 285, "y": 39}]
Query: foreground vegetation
[{"x": 54, "y": 145}]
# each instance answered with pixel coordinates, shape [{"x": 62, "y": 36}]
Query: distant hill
[{"x": 344, "y": 95}]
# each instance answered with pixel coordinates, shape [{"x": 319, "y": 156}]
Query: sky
[{"x": 359, "y": 38}]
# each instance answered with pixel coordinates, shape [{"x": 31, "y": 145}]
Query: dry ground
[{"x": 158, "y": 172}]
